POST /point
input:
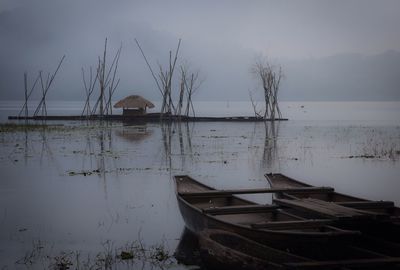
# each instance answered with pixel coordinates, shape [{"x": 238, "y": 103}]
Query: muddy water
[{"x": 80, "y": 193}]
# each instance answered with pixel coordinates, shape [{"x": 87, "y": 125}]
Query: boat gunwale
[{"x": 300, "y": 183}]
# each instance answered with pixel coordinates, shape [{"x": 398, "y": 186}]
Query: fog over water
[{"x": 329, "y": 50}]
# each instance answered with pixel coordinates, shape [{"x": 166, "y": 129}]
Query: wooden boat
[
  {"x": 226, "y": 250},
  {"x": 386, "y": 227},
  {"x": 204, "y": 208},
  {"x": 379, "y": 207}
]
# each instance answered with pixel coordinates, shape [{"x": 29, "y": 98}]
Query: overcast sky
[{"x": 329, "y": 50}]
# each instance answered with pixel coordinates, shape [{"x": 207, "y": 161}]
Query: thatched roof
[{"x": 134, "y": 101}]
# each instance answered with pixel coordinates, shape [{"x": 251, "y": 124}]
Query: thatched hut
[{"x": 134, "y": 105}]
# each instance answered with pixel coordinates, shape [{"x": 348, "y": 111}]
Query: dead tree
[
  {"x": 270, "y": 80},
  {"x": 189, "y": 83},
  {"x": 27, "y": 94},
  {"x": 45, "y": 88},
  {"x": 257, "y": 113}
]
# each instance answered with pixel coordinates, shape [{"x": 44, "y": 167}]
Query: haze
[{"x": 329, "y": 50}]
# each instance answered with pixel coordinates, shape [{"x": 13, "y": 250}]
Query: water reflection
[
  {"x": 106, "y": 181},
  {"x": 270, "y": 157},
  {"x": 136, "y": 133},
  {"x": 187, "y": 252},
  {"x": 101, "y": 162},
  {"x": 181, "y": 133},
  {"x": 166, "y": 131},
  {"x": 265, "y": 136}
]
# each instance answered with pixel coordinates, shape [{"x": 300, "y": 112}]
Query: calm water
[{"x": 81, "y": 191}]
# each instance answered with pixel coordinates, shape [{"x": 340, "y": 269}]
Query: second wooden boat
[
  {"x": 307, "y": 205},
  {"x": 282, "y": 181}
]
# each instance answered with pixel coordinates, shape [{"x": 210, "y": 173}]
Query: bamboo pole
[
  {"x": 46, "y": 87},
  {"x": 27, "y": 94}
]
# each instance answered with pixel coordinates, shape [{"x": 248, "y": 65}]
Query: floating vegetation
[
  {"x": 99, "y": 171},
  {"x": 363, "y": 156},
  {"x": 63, "y": 261},
  {"x": 126, "y": 255},
  {"x": 382, "y": 154},
  {"x": 32, "y": 255},
  {"x": 84, "y": 173},
  {"x": 159, "y": 253},
  {"x": 12, "y": 127}
]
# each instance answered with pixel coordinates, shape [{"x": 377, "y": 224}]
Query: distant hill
[{"x": 344, "y": 77}]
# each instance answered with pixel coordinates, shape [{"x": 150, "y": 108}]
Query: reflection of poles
[
  {"x": 101, "y": 165},
  {"x": 181, "y": 144},
  {"x": 189, "y": 136},
  {"x": 88, "y": 151},
  {"x": 26, "y": 147},
  {"x": 46, "y": 149},
  {"x": 270, "y": 153},
  {"x": 110, "y": 148},
  {"x": 184, "y": 139},
  {"x": 166, "y": 136}
]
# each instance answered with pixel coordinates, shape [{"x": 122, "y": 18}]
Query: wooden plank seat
[
  {"x": 230, "y": 192},
  {"x": 327, "y": 209},
  {"x": 395, "y": 219},
  {"x": 367, "y": 204},
  {"x": 240, "y": 209},
  {"x": 291, "y": 224}
]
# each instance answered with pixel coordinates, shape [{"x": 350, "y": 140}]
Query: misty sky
[{"x": 329, "y": 50}]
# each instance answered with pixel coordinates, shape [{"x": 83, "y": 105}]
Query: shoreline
[{"x": 154, "y": 117}]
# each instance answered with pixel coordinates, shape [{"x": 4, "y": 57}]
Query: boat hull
[
  {"x": 388, "y": 228},
  {"x": 223, "y": 250}
]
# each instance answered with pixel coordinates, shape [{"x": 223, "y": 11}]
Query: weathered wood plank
[
  {"x": 240, "y": 209},
  {"x": 380, "y": 245},
  {"x": 367, "y": 204},
  {"x": 326, "y": 209},
  {"x": 229, "y": 192},
  {"x": 292, "y": 224}
]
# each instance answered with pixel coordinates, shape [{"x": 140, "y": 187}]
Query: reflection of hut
[
  {"x": 134, "y": 105},
  {"x": 134, "y": 134}
]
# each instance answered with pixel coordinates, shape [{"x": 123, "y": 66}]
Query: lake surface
[{"x": 84, "y": 192}]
